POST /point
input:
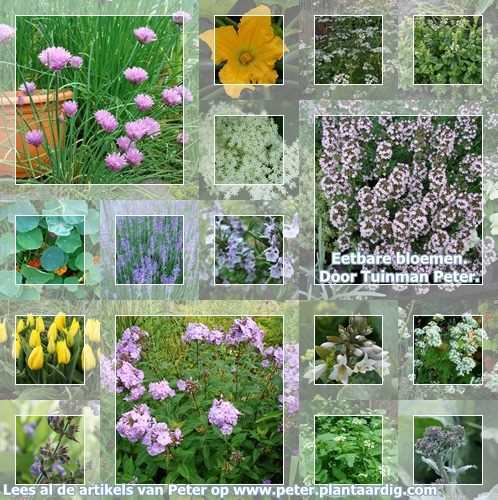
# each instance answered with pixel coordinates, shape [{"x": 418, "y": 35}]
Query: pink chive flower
[
  {"x": 27, "y": 88},
  {"x": 144, "y": 102},
  {"x": 115, "y": 161},
  {"x": 76, "y": 62},
  {"x": 55, "y": 58},
  {"x": 184, "y": 92},
  {"x": 135, "y": 75},
  {"x": 135, "y": 130},
  {"x": 124, "y": 143},
  {"x": 182, "y": 138},
  {"x": 106, "y": 120},
  {"x": 134, "y": 157},
  {"x": 161, "y": 390},
  {"x": 6, "y": 33},
  {"x": 70, "y": 108},
  {"x": 181, "y": 17},
  {"x": 145, "y": 35},
  {"x": 171, "y": 97},
  {"x": 152, "y": 127},
  {"x": 34, "y": 137}
]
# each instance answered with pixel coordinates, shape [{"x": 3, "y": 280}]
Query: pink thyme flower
[
  {"x": 55, "y": 58},
  {"x": 76, "y": 62},
  {"x": 144, "y": 102},
  {"x": 181, "y": 17},
  {"x": 124, "y": 143},
  {"x": 27, "y": 88},
  {"x": 69, "y": 108},
  {"x": 136, "y": 75},
  {"x": 134, "y": 156},
  {"x": 145, "y": 35},
  {"x": 115, "y": 161},
  {"x": 6, "y": 33},
  {"x": 34, "y": 137},
  {"x": 182, "y": 138},
  {"x": 171, "y": 97},
  {"x": 106, "y": 120}
]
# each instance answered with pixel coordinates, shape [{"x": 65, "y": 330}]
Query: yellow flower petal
[{"x": 35, "y": 359}]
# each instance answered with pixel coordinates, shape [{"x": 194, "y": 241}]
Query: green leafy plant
[
  {"x": 348, "y": 449},
  {"x": 50, "y": 249},
  {"x": 448, "y": 50}
]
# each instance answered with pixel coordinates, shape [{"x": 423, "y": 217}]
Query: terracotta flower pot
[{"x": 38, "y": 112}]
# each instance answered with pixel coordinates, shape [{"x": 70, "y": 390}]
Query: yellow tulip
[
  {"x": 30, "y": 320},
  {"x": 63, "y": 353},
  {"x": 52, "y": 332},
  {"x": 16, "y": 347},
  {"x": 35, "y": 359},
  {"x": 40, "y": 325},
  {"x": 93, "y": 330},
  {"x": 72, "y": 332},
  {"x": 51, "y": 346},
  {"x": 34, "y": 339},
  {"x": 88, "y": 361},
  {"x": 3, "y": 332},
  {"x": 60, "y": 321},
  {"x": 20, "y": 326}
]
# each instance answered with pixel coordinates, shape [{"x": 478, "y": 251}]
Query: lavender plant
[
  {"x": 248, "y": 249},
  {"x": 399, "y": 184},
  {"x": 49, "y": 450},
  {"x": 348, "y": 50},
  {"x": 149, "y": 250}
]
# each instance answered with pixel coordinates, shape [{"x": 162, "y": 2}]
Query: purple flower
[
  {"x": 181, "y": 385},
  {"x": 181, "y": 17},
  {"x": 145, "y": 35},
  {"x": 115, "y": 161},
  {"x": 76, "y": 62},
  {"x": 152, "y": 127},
  {"x": 106, "y": 120},
  {"x": 159, "y": 437},
  {"x": 6, "y": 33},
  {"x": 223, "y": 415},
  {"x": 171, "y": 97},
  {"x": 135, "y": 393},
  {"x": 29, "y": 428},
  {"x": 27, "y": 88},
  {"x": 124, "y": 143},
  {"x": 134, "y": 156},
  {"x": 134, "y": 424},
  {"x": 55, "y": 58},
  {"x": 128, "y": 376},
  {"x": 246, "y": 330},
  {"x": 138, "y": 129},
  {"x": 185, "y": 93},
  {"x": 36, "y": 467},
  {"x": 161, "y": 390},
  {"x": 182, "y": 137},
  {"x": 135, "y": 75},
  {"x": 144, "y": 102},
  {"x": 195, "y": 331},
  {"x": 70, "y": 108},
  {"x": 34, "y": 137}
]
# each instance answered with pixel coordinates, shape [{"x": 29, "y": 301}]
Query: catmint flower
[
  {"x": 134, "y": 156},
  {"x": 36, "y": 467},
  {"x": 106, "y": 120},
  {"x": 223, "y": 415},
  {"x": 70, "y": 108},
  {"x": 182, "y": 138},
  {"x": 135, "y": 75},
  {"x": 115, "y": 161},
  {"x": 6, "y": 33},
  {"x": 145, "y": 35},
  {"x": 76, "y": 62},
  {"x": 181, "y": 17},
  {"x": 161, "y": 390},
  {"x": 27, "y": 88},
  {"x": 124, "y": 143},
  {"x": 34, "y": 137},
  {"x": 144, "y": 102},
  {"x": 171, "y": 97},
  {"x": 55, "y": 58}
]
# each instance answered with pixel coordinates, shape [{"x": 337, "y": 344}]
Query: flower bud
[
  {"x": 35, "y": 359},
  {"x": 3, "y": 332},
  {"x": 63, "y": 353},
  {"x": 20, "y": 326},
  {"x": 30, "y": 321},
  {"x": 34, "y": 339},
  {"x": 88, "y": 361},
  {"x": 60, "y": 321},
  {"x": 93, "y": 330},
  {"x": 52, "y": 332},
  {"x": 16, "y": 347},
  {"x": 40, "y": 325},
  {"x": 72, "y": 332}
]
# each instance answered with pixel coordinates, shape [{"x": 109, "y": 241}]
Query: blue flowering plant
[
  {"x": 49, "y": 450},
  {"x": 249, "y": 250},
  {"x": 199, "y": 400}
]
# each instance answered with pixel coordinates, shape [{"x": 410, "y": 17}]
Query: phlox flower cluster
[
  {"x": 399, "y": 184},
  {"x": 290, "y": 396},
  {"x": 223, "y": 415},
  {"x": 273, "y": 356},
  {"x": 149, "y": 250}
]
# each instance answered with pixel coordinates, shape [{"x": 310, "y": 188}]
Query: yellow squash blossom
[
  {"x": 30, "y": 320},
  {"x": 40, "y": 325},
  {"x": 249, "y": 53},
  {"x": 34, "y": 339},
  {"x": 3, "y": 332},
  {"x": 60, "y": 321},
  {"x": 72, "y": 332},
  {"x": 16, "y": 347},
  {"x": 20, "y": 326},
  {"x": 35, "y": 359},
  {"x": 63, "y": 352},
  {"x": 88, "y": 361},
  {"x": 93, "y": 330}
]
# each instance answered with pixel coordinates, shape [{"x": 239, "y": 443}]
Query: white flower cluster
[
  {"x": 429, "y": 335},
  {"x": 465, "y": 339},
  {"x": 249, "y": 150}
]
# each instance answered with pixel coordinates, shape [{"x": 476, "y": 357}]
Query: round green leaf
[
  {"x": 25, "y": 223},
  {"x": 34, "y": 276},
  {"x": 32, "y": 240},
  {"x": 57, "y": 225},
  {"x": 79, "y": 261},
  {"x": 53, "y": 258},
  {"x": 70, "y": 243}
]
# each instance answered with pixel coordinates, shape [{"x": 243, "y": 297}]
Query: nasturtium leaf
[
  {"x": 79, "y": 261},
  {"x": 31, "y": 240},
  {"x": 73, "y": 219},
  {"x": 69, "y": 243},
  {"x": 53, "y": 258},
  {"x": 25, "y": 223},
  {"x": 35, "y": 276},
  {"x": 57, "y": 225},
  {"x": 92, "y": 222},
  {"x": 72, "y": 280},
  {"x": 6, "y": 245}
]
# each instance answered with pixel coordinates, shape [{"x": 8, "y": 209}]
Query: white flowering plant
[
  {"x": 448, "y": 349},
  {"x": 249, "y": 149}
]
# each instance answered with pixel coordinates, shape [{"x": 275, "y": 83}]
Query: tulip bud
[
  {"x": 30, "y": 321},
  {"x": 51, "y": 346},
  {"x": 72, "y": 332},
  {"x": 52, "y": 332},
  {"x": 63, "y": 353},
  {"x": 3, "y": 332},
  {"x": 16, "y": 347},
  {"x": 20, "y": 326},
  {"x": 35, "y": 359},
  {"x": 88, "y": 361},
  {"x": 40, "y": 325},
  {"x": 60, "y": 321},
  {"x": 93, "y": 330},
  {"x": 34, "y": 339}
]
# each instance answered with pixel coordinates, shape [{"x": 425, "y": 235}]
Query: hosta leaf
[
  {"x": 35, "y": 276},
  {"x": 53, "y": 258},
  {"x": 25, "y": 223},
  {"x": 70, "y": 243},
  {"x": 31, "y": 240}
]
